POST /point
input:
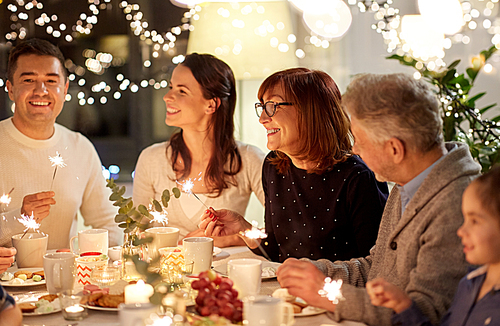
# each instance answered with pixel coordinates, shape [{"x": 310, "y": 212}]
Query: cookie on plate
[
  {"x": 41, "y": 273},
  {"x": 48, "y": 297},
  {"x": 27, "y": 307},
  {"x": 27, "y": 273}
]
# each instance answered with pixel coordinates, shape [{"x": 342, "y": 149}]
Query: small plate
[
  {"x": 222, "y": 269},
  {"x": 309, "y": 311},
  {"x": 100, "y": 308},
  {"x": 217, "y": 251},
  {"x": 39, "y": 313},
  {"x": 28, "y": 282}
]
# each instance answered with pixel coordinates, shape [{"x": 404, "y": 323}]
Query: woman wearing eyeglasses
[
  {"x": 201, "y": 102},
  {"x": 321, "y": 201}
]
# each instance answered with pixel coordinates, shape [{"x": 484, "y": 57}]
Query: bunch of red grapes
[{"x": 216, "y": 296}]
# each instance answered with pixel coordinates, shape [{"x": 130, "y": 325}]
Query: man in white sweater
[{"x": 38, "y": 83}]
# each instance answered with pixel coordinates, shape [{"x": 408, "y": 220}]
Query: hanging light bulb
[
  {"x": 445, "y": 16},
  {"x": 332, "y": 21}
]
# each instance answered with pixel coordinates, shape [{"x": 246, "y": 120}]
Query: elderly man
[
  {"x": 397, "y": 129},
  {"x": 37, "y": 83}
]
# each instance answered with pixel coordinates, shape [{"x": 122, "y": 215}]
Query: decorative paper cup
[{"x": 84, "y": 267}]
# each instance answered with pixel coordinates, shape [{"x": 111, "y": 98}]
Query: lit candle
[
  {"x": 74, "y": 312},
  {"x": 138, "y": 293},
  {"x": 74, "y": 309}
]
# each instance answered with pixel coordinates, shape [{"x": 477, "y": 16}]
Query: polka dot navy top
[{"x": 335, "y": 215}]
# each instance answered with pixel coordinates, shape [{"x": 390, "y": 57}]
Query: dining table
[{"x": 111, "y": 318}]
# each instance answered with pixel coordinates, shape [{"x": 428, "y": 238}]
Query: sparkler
[
  {"x": 29, "y": 222},
  {"x": 255, "y": 233},
  {"x": 56, "y": 161},
  {"x": 5, "y": 199},
  {"x": 187, "y": 187},
  {"x": 331, "y": 290},
  {"x": 159, "y": 217}
]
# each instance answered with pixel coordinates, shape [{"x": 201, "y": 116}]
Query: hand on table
[
  {"x": 222, "y": 222},
  {"x": 385, "y": 294},
  {"x": 7, "y": 256},
  {"x": 38, "y": 204},
  {"x": 304, "y": 280}
]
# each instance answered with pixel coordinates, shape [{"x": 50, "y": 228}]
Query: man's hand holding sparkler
[
  {"x": 38, "y": 204},
  {"x": 7, "y": 256},
  {"x": 304, "y": 280}
]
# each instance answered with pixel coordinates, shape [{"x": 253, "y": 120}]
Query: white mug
[
  {"x": 91, "y": 240},
  {"x": 133, "y": 314},
  {"x": 200, "y": 251},
  {"x": 59, "y": 270},
  {"x": 30, "y": 249},
  {"x": 162, "y": 237},
  {"x": 263, "y": 310},
  {"x": 246, "y": 275}
]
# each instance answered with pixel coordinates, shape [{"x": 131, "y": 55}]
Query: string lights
[{"x": 98, "y": 62}]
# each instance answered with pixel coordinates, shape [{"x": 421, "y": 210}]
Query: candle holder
[
  {"x": 105, "y": 276},
  {"x": 71, "y": 307}
]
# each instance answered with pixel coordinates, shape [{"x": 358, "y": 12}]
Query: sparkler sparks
[
  {"x": 331, "y": 290},
  {"x": 187, "y": 187},
  {"x": 29, "y": 222},
  {"x": 5, "y": 198},
  {"x": 255, "y": 233},
  {"x": 159, "y": 217},
  {"x": 56, "y": 161}
]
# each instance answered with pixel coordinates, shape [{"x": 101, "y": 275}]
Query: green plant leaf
[
  {"x": 165, "y": 197},
  {"x": 486, "y": 108},
  {"x": 143, "y": 210},
  {"x": 134, "y": 214},
  {"x": 157, "y": 206},
  {"x": 138, "y": 242},
  {"x": 123, "y": 225},
  {"x": 122, "y": 190},
  {"x": 449, "y": 76},
  {"x": 472, "y": 73},
  {"x": 453, "y": 64},
  {"x": 176, "y": 192},
  {"x": 120, "y": 218},
  {"x": 114, "y": 196},
  {"x": 110, "y": 183},
  {"x": 473, "y": 99}
]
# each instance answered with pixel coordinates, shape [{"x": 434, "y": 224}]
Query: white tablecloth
[{"x": 111, "y": 318}]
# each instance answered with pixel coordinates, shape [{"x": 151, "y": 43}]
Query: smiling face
[
  {"x": 480, "y": 231},
  {"x": 282, "y": 128},
  {"x": 38, "y": 89},
  {"x": 186, "y": 105}
]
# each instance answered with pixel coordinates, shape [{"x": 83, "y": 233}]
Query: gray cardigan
[{"x": 419, "y": 251}]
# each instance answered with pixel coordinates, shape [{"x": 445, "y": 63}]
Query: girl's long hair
[{"x": 217, "y": 82}]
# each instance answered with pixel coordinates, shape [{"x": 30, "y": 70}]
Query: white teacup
[
  {"x": 30, "y": 249},
  {"x": 91, "y": 240},
  {"x": 263, "y": 310},
  {"x": 246, "y": 275},
  {"x": 162, "y": 237},
  {"x": 59, "y": 268},
  {"x": 200, "y": 251}
]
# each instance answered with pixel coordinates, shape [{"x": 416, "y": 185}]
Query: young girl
[{"x": 477, "y": 300}]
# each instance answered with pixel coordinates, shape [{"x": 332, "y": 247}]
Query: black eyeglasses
[{"x": 269, "y": 107}]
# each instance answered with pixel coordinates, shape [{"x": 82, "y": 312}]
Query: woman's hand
[
  {"x": 385, "y": 294},
  {"x": 222, "y": 222},
  {"x": 303, "y": 279}
]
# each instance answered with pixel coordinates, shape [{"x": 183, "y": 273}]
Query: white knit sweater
[
  {"x": 154, "y": 173},
  {"x": 25, "y": 165}
]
